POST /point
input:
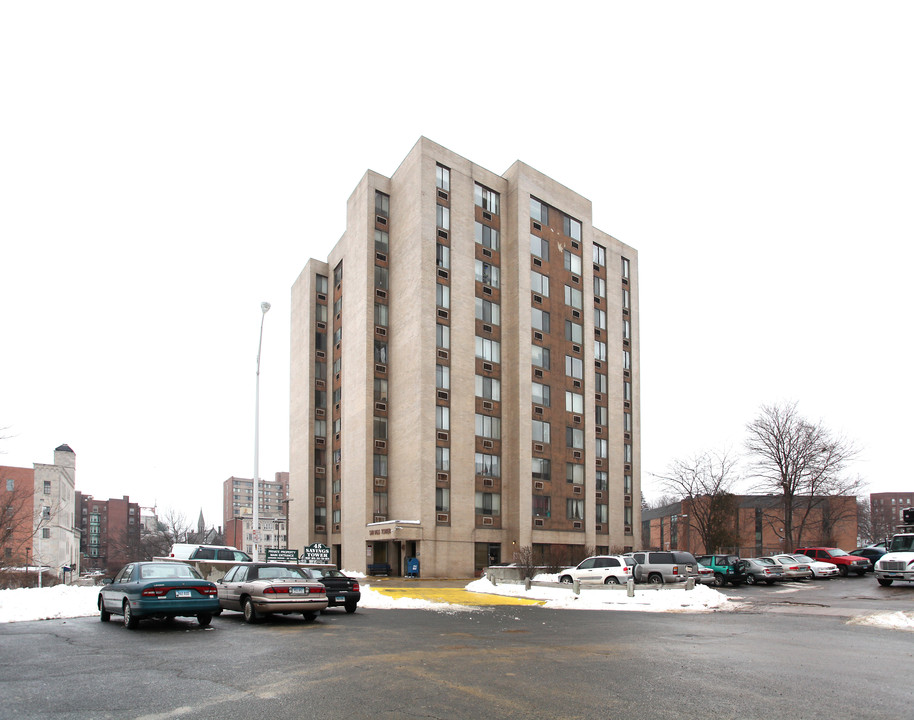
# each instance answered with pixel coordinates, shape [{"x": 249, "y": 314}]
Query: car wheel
[
  {"x": 309, "y": 616},
  {"x": 750, "y": 580},
  {"x": 250, "y": 613},
  {"x": 103, "y": 614},
  {"x": 611, "y": 580},
  {"x": 350, "y": 607},
  {"x": 131, "y": 621},
  {"x": 719, "y": 580},
  {"x": 885, "y": 582},
  {"x": 204, "y": 619},
  {"x": 217, "y": 613},
  {"x": 655, "y": 579},
  {"x": 843, "y": 570},
  {"x": 565, "y": 579}
]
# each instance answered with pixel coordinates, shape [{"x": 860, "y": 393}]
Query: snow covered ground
[{"x": 64, "y": 601}]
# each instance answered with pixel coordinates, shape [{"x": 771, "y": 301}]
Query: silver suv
[{"x": 670, "y": 566}]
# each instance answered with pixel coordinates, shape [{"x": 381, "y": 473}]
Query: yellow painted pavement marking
[{"x": 455, "y": 596}]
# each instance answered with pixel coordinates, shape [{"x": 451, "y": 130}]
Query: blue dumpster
[{"x": 412, "y": 567}]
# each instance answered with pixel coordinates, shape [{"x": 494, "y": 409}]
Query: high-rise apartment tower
[{"x": 465, "y": 375}]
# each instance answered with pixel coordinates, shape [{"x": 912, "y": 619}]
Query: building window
[
  {"x": 487, "y": 274},
  {"x": 626, "y": 268},
  {"x": 380, "y": 315},
  {"x": 539, "y": 283},
  {"x": 442, "y": 500},
  {"x": 602, "y": 513},
  {"x": 626, "y": 390},
  {"x": 442, "y": 336},
  {"x": 627, "y": 422},
  {"x": 380, "y": 277},
  {"x": 442, "y": 459},
  {"x": 488, "y": 388},
  {"x": 627, "y": 453},
  {"x": 10, "y": 484},
  {"x": 443, "y": 256},
  {"x": 338, "y": 274},
  {"x": 541, "y": 394},
  {"x": 574, "y": 438},
  {"x": 486, "y": 236},
  {"x": 539, "y": 247},
  {"x": 488, "y": 427},
  {"x": 320, "y": 283},
  {"x": 599, "y": 287},
  {"x": 486, "y": 199},
  {"x": 601, "y": 415},
  {"x": 571, "y": 227},
  {"x": 488, "y": 311},
  {"x": 626, "y": 330},
  {"x": 381, "y": 240},
  {"x": 539, "y": 211},
  {"x": 444, "y": 217},
  {"x": 539, "y": 319},
  {"x": 488, "y": 503},
  {"x": 574, "y": 297},
  {"x": 45, "y": 533},
  {"x": 442, "y": 295},
  {"x": 380, "y": 503},
  {"x": 442, "y": 417},
  {"x": 442, "y": 178},
  {"x": 488, "y": 349},
  {"x": 380, "y": 352},
  {"x": 542, "y": 506},
  {"x": 380, "y": 465},
  {"x": 574, "y": 402},
  {"x": 574, "y": 367},
  {"x": 599, "y": 350},
  {"x": 602, "y": 447},
  {"x": 381, "y": 203},
  {"x": 540, "y": 357},
  {"x": 541, "y": 432},
  {"x": 599, "y": 319},
  {"x": 573, "y": 262},
  {"x": 488, "y": 465},
  {"x": 47, "y": 487},
  {"x": 602, "y": 480},
  {"x": 542, "y": 468},
  {"x": 574, "y": 509},
  {"x": 599, "y": 254},
  {"x": 574, "y": 473},
  {"x": 442, "y": 377},
  {"x": 627, "y": 484},
  {"x": 627, "y": 515},
  {"x": 626, "y": 299},
  {"x": 380, "y": 428},
  {"x": 574, "y": 332}
]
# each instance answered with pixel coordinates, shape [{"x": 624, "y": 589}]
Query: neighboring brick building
[
  {"x": 758, "y": 525},
  {"x": 885, "y": 510},
  {"x": 17, "y": 492},
  {"x": 110, "y": 531}
]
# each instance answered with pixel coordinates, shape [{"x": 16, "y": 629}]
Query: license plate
[
  {"x": 182, "y": 593},
  {"x": 341, "y": 598},
  {"x": 296, "y": 591}
]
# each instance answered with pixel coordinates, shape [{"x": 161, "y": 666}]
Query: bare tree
[
  {"x": 801, "y": 461},
  {"x": 16, "y": 522},
  {"x": 706, "y": 480},
  {"x": 177, "y": 527}
]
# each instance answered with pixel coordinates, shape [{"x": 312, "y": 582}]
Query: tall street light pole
[{"x": 264, "y": 306}]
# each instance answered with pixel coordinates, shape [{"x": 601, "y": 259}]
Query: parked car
[
  {"x": 341, "y": 589},
  {"x": 844, "y": 560},
  {"x": 186, "y": 551},
  {"x": 605, "y": 569},
  {"x": 706, "y": 575},
  {"x": 871, "y": 553},
  {"x": 258, "y": 589},
  {"x": 157, "y": 590},
  {"x": 763, "y": 570},
  {"x": 820, "y": 568},
  {"x": 664, "y": 566},
  {"x": 727, "y": 569},
  {"x": 793, "y": 568}
]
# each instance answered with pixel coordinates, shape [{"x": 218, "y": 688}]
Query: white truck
[{"x": 898, "y": 562}]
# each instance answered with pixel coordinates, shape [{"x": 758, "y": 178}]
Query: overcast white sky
[{"x": 165, "y": 167}]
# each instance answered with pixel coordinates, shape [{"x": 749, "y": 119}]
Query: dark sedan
[
  {"x": 870, "y": 553},
  {"x": 341, "y": 589},
  {"x": 158, "y": 590}
]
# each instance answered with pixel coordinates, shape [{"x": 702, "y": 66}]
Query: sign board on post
[
  {"x": 279, "y": 555},
  {"x": 316, "y": 554}
]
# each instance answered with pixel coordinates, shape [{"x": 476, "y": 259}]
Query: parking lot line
[{"x": 455, "y": 596}]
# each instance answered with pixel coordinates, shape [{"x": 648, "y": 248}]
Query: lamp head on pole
[{"x": 264, "y": 306}]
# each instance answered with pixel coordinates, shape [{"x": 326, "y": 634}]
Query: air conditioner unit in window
[
  {"x": 442, "y": 234},
  {"x": 599, "y": 528},
  {"x": 320, "y": 499},
  {"x": 487, "y": 328},
  {"x": 486, "y": 290},
  {"x": 488, "y": 482},
  {"x": 380, "y": 482},
  {"x": 538, "y": 522},
  {"x": 442, "y": 477},
  {"x": 442, "y": 436},
  {"x": 380, "y": 444},
  {"x": 537, "y": 447},
  {"x": 628, "y": 529},
  {"x": 382, "y": 294},
  {"x": 381, "y": 256},
  {"x": 442, "y": 354},
  {"x": 442, "y": 395},
  {"x": 442, "y": 273},
  {"x": 627, "y": 499},
  {"x": 320, "y": 528},
  {"x": 486, "y": 252},
  {"x": 578, "y": 525},
  {"x": 380, "y": 518},
  {"x": 486, "y": 405},
  {"x": 442, "y": 518},
  {"x": 381, "y": 331},
  {"x": 488, "y": 521},
  {"x": 538, "y": 485},
  {"x": 380, "y": 407},
  {"x": 488, "y": 444},
  {"x": 537, "y": 226},
  {"x": 577, "y": 490},
  {"x": 488, "y": 367},
  {"x": 380, "y": 220},
  {"x": 336, "y": 527}
]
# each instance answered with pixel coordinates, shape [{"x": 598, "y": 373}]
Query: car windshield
[
  {"x": 319, "y": 573},
  {"x": 155, "y": 571},
  {"x": 903, "y": 543},
  {"x": 804, "y": 558},
  {"x": 280, "y": 572},
  {"x": 836, "y": 552},
  {"x": 766, "y": 561}
]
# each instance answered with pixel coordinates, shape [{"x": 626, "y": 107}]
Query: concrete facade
[{"x": 419, "y": 391}]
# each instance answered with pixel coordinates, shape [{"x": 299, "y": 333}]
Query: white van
[{"x": 184, "y": 551}]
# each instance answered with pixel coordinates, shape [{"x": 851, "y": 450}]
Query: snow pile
[
  {"x": 891, "y": 620},
  {"x": 666, "y": 599},
  {"x": 60, "y": 601}
]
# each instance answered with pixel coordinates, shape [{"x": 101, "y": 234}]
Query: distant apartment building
[
  {"x": 886, "y": 509},
  {"x": 238, "y": 512},
  {"x": 465, "y": 374},
  {"x": 110, "y": 531},
  {"x": 38, "y": 503},
  {"x": 757, "y": 525}
]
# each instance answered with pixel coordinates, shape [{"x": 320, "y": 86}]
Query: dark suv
[
  {"x": 727, "y": 569},
  {"x": 658, "y": 567}
]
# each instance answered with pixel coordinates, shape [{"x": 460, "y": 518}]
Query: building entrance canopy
[{"x": 394, "y": 530}]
